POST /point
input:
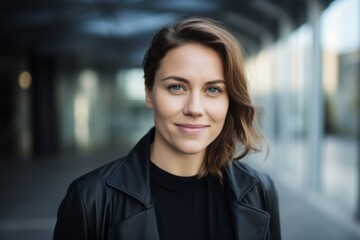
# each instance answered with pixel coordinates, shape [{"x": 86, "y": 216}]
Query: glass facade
[
  {"x": 102, "y": 110},
  {"x": 308, "y": 83}
]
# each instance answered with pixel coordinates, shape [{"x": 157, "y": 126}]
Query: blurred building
[
  {"x": 307, "y": 81},
  {"x": 71, "y": 81}
]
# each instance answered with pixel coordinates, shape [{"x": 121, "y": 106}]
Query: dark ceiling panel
[{"x": 111, "y": 29}]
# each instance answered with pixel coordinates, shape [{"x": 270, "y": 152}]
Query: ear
[{"x": 148, "y": 96}]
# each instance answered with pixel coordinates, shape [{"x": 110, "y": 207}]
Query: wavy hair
[{"x": 240, "y": 123}]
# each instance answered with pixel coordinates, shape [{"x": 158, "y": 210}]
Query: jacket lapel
[
  {"x": 141, "y": 226},
  {"x": 249, "y": 222},
  {"x": 133, "y": 175},
  {"x": 133, "y": 178}
]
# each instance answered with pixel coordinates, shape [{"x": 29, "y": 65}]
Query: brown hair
[{"x": 240, "y": 123}]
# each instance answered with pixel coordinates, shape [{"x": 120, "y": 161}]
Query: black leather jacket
[{"x": 114, "y": 202}]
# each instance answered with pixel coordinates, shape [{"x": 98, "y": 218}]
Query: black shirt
[{"x": 188, "y": 207}]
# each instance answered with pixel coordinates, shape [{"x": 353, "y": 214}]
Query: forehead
[{"x": 192, "y": 59}]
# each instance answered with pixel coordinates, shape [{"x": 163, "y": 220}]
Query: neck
[{"x": 176, "y": 162}]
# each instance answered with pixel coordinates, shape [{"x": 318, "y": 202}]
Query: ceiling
[{"x": 119, "y": 31}]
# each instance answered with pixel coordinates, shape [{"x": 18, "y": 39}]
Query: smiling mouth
[{"x": 191, "y": 129}]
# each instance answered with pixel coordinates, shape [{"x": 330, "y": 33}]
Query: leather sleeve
[
  {"x": 273, "y": 209},
  {"x": 71, "y": 217}
]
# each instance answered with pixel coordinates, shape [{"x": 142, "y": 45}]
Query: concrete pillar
[
  {"x": 9, "y": 74},
  {"x": 44, "y": 107},
  {"x": 283, "y": 77},
  {"x": 316, "y": 108}
]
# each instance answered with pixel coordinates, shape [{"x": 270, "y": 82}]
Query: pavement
[{"x": 33, "y": 188}]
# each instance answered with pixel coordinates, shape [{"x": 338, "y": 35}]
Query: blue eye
[
  {"x": 213, "y": 90},
  {"x": 175, "y": 87}
]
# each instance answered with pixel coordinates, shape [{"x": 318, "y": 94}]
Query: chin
[{"x": 191, "y": 149}]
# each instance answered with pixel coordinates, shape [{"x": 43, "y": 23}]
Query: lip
[{"x": 191, "y": 129}]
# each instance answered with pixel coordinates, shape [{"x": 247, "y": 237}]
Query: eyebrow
[{"x": 184, "y": 80}]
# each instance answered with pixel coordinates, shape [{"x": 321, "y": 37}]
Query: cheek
[
  {"x": 165, "y": 106},
  {"x": 218, "y": 110}
]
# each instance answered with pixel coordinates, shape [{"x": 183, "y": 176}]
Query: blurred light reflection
[
  {"x": 25, "y": 80},
  {"x": 82, "y": 107}
]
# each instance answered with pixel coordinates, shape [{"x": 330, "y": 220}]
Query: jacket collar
[
  {"x": 133, "y": 174},
  {"x": 250, "y": 220},
  {"x": 236, "y": 173}
]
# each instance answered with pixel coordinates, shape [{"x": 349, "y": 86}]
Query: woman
[{"x": 181, "y": 180}]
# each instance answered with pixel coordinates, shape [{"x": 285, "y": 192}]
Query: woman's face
[{"x": 189, "y": 99}]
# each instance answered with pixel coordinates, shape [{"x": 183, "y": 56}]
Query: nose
[{"x": 194, "y": 106}]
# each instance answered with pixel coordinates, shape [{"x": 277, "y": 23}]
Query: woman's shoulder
[
  {"x": 96, "y": 179},
  {"x": 255, "y": 186},
  {"x": 262, "y": 179}
]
